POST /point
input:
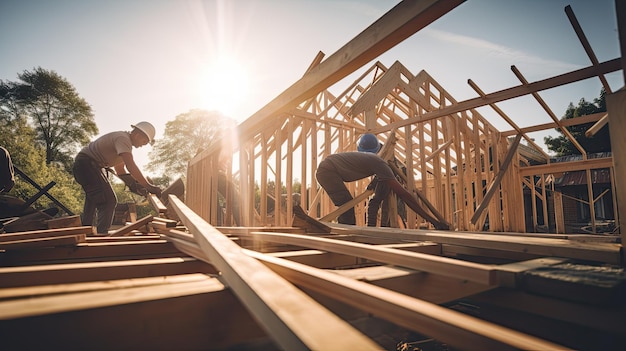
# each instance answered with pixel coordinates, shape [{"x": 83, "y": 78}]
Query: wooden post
[
  {"x": 616, "y": 105},
  {"x": 558, "y": 212}
]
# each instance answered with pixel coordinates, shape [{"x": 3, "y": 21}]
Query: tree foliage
[
  {"x": 62, "y": 120},
  {"x": 184, "y": 137},
  {"x": 600, "y": 142},
  {"x": 27, "y": 155}
]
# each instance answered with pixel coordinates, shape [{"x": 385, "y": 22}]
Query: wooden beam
[
  {"x": 92, "y": 271},
  {"x": 543, "y": 245},
  {"x": 597, "y": 126},
  {"x": 559, "y": 167},
  {"x": 620, "y": 11},
  {"x": 506, "y": 94},
  {"x": 378, "y": 91},
  {"x": 474, "y": 272},
  {"x": 86, "y": 252},
  {"x": 46, "y": 233},
  {"x": 37, "y": 291},
  {"x": 585, "y": 43},
  {"x": 495, "y": 183},
  {"x": 594, "y": 117},
  {"x": 348, "y": 205},
  {"x": 55, "y": 289},
  {"x": 63, "y": 240},
  {"x": 157, "y": 204},
  {"x": 616, "y": 105},
  {"x": 292, "y": 318},
  {"x": 130, "y": 227}
]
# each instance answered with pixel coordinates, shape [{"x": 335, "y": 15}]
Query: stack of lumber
[{"x": 180, "y": 283}]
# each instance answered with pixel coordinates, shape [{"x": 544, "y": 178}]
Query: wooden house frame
[{"x": 460, "y": 165}]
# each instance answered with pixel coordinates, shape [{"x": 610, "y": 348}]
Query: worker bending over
[
  {"x": 92, "y": 162},
  {"x": 336, "y": 169}
]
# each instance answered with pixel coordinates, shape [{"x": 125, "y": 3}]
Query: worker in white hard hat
[{"x": 94, "y": 160}]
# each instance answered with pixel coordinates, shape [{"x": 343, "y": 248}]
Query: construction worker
[
  {"x": 7, "y": 173},
  {"x": 93, "y": 161},
  {"x": 336, "y": 169}
]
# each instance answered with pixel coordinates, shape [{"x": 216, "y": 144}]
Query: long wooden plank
[
  {"x": 474, "y": 272},
  {"x": 348, "y": 205},
  {"x": 157, "y": 204},
  {"x": 101, "y": 298},
  {"x": 595, "y": 117},
  {"x": 592, "y": 251},
  {"x": 87, "y": 252},
  {"x": 43, "y": 290},
  {"x": 292, "y": 318},
  {"x": 65, "y": 240},
  {"x": 93, "y": 271},
  {"x": 616, "y": 105},
  {"x": 46, "y": 233},
  {"x": 130, "y": 227},
  {"x": 593, "y": 163}
]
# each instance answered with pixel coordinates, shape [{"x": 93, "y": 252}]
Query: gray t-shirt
[
  {"x": 106, "y": 149},
  {"x": 353, "y": 166}
]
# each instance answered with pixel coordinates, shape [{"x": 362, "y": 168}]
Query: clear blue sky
[{"x": 151, "y": 60}]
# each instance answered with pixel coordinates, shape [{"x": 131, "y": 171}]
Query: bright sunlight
[{"x": 224, "y": 86}]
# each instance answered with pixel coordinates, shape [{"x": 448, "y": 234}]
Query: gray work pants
[
  {"x": 100, "y": 199},
  {"x": 328, "y": 177}
]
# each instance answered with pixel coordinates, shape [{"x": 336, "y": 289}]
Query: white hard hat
[{"x": 147, "y": 128}]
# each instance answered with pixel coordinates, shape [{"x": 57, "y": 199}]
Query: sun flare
[{"x": 224, "y": 85}]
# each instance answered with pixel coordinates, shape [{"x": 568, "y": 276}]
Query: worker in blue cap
[{"x": 337, "y": 169}]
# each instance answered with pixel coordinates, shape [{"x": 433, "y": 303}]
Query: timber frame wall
[{"x": 458, "y": 163}]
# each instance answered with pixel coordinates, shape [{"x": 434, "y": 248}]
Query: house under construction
[{"x": 249, "y": 260}]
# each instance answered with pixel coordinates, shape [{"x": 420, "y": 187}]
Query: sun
[{"x": 224, "y": 86}]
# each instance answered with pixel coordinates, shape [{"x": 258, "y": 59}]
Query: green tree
[
  {"x": 184, "y": 137},
  {"x": 600, "y": 142},
  {"x": 63, "y": 121},
  {"x": 19, "y": 138}
]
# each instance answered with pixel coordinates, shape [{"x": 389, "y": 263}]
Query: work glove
[{"x": 132, "y": 185}]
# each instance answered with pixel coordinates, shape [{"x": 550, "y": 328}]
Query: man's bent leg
[
  {"x": 337, "y": 191},
  {"x": 106, "y": 209}
]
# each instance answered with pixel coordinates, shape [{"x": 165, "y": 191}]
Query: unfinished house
[{"x": 253, "y": 260}]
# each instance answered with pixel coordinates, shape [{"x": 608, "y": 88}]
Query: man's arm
[{"x": 131, "y": 166}]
